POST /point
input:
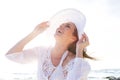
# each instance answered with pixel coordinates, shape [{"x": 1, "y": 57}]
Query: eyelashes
[{"x": 68, "y": 26}]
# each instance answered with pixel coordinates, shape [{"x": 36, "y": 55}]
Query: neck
[
  {"x": 71, "y": 55},
  {"x": 59, "y": 49}
]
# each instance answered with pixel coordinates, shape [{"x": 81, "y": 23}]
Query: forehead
[{"x": 69, "y": 23}]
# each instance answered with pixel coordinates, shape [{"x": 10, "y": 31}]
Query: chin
[{"x": 57, "y": 37}]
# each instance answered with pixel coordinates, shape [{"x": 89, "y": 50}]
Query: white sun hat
[{"x": 69, "y": 15}]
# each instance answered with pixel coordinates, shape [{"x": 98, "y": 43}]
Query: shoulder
[
  {"x": 82, "y": 63},
  {"x": 43, "y": 50}
]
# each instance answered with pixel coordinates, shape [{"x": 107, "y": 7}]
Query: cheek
[
  {"x": 68, "y": 33},
  {"x": 69, "y": 36}
]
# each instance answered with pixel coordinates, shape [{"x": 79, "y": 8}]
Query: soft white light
[{"x": 19, "y": 18}]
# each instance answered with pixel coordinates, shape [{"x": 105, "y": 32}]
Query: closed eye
[{"x": 68, "y": 26}]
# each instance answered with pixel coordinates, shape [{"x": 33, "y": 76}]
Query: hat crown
[{"x": 69, "y": 15}]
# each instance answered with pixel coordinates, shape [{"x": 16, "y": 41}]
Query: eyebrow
[
  {"x": 68, "y": 23},
  {"x": 71, "y": 24}
]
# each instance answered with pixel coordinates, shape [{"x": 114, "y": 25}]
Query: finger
[
  {"x": 86, "y": 40},
  {"x": 85, "y": 37},
  {"x": 48, "y": 23},
  {"x": 81, "y": 39}
]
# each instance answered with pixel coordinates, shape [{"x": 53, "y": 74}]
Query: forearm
[{"x": 21, "y": 44}]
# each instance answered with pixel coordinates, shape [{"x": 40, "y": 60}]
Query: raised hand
[
  {"x": 41, "y": 27},
  {"x": 81, "y": 45}
]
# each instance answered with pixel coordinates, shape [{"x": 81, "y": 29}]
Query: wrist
[
  {"x": 35, "y": 33},
  {"x": 79, "y": 54}
]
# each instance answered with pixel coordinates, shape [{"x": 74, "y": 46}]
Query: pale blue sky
[{"x": 19, "y": 17}]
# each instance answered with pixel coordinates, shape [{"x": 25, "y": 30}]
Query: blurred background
[{"x": 19, "y": 17}]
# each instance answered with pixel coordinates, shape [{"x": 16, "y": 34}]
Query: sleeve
[
  {"x": 80, "y": 71},
  {"x": 24, "y": 56}
]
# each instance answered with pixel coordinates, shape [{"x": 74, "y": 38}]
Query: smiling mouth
[{"x": 59, "y": 31}]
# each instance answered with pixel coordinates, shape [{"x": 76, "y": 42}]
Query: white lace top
[{"x": 76, "y": 69}]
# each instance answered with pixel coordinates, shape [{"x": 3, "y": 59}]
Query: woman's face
[{"x": 65, "y": 32}]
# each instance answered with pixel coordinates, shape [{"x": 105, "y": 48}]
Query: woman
[{"x": 64, "y": 61}]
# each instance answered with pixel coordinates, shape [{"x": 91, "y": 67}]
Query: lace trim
[
  {"x": 68, "y": 68},
  {"x": 48, "y": 67}
]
